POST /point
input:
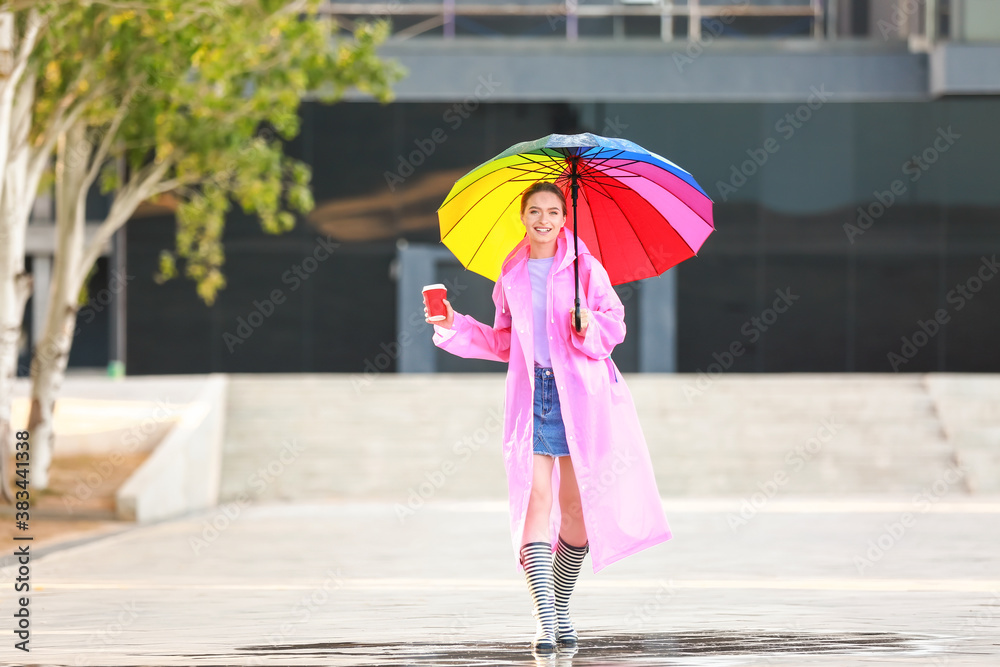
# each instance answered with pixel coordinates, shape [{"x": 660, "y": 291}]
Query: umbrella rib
[
  {"x": 635, "y": 233},
  {"x": 548, "y": 166},
  {"x": 619, "y": 166},
  {"x": 693, "y": 183},
  {"x": 537, "y": 165},
  {"x": 681, "y": 237},
  {"x": 589, "y": 173},
  {"x": 594, "y": 190},
  {"x": 599, "y": 161},
  {"x": 597, "y": 234},
  {"x": 500, "y": 215},
  {"x": 709, "y": 223},
  {"x": 665, "y": 221},
  {"x": 599, "y": 186},
  {"x": 492, "y": 227},
  {"x": 593, "y": 181},
  {"x": 597, "y": 170},
  {"x": 603, "y": 181},
  {"x": 545, "y": 166},
  {"x": 452, "y": 195},
  {"x": 485, "y": 195},
  {"x": 545, "y": 172},
  {"x": 548, "y": 161},
  {"x": 593, "y": 174},
  {"x": 625, "y": 185}
]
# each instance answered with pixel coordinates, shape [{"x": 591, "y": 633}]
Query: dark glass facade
[{"x": 846, "y": 233}]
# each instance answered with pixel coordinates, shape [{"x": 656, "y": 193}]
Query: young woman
[{"x": 570, "y": 427}]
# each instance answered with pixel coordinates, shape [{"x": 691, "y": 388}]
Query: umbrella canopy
[{"x": 638, "y": 212}]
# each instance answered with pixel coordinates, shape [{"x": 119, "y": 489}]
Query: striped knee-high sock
[
  {"x": 566, "y": 565},
  {"x": 535, "y": 557}
]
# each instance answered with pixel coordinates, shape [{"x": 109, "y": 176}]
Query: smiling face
[{"x": 543, "y": 217}]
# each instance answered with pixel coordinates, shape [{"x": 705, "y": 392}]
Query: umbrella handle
[{"x": 574, "y": 186}]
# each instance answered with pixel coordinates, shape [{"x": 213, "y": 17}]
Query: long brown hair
[{"x": 543, "y": 186}]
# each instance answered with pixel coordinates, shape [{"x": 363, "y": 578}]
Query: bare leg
[
  {"x": 536, "y": 523},
  {"x": 572, "y": 528},
  {"x": 571, "y": 548},
  {"x": 536, "y": 550}
]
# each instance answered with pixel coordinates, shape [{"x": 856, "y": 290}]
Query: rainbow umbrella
[{"x": 638, "y": 212}]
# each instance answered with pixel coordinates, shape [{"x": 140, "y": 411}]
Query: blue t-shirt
[{"x": 539, "y": 270}]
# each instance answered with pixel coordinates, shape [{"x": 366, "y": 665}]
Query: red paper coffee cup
[{"x": 434, "y": 296}]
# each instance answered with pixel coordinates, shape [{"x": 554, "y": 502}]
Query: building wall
[{"x": 795, "y": 185}]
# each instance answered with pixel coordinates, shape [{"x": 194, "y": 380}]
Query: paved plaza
[{"x": 795, "y": 581}]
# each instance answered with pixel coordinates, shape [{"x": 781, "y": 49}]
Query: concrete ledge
[
  {"x": 540, "y": 70},
  {"x": 965, "y": 69},
  {"x": 182, "y": 473}
]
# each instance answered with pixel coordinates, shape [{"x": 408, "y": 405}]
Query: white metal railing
[
  {"x": 443, "y": 13},
  {"x": 923, "y": 17},
  {"x": 697, "y": 11}
]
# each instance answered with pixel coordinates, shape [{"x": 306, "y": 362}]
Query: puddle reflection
[{"x": 634, "y": 650}]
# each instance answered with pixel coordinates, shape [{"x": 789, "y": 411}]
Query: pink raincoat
[{"x": 621, "y": 504}]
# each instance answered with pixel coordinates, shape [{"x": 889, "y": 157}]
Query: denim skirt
[{"x": 550, "y": 434}]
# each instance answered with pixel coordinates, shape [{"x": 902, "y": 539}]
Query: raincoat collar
[{"x": 564, "y": 252}]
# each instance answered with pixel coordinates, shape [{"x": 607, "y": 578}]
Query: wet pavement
[{"x": 800, "y": 582}]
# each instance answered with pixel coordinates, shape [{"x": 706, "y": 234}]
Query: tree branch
[
  {"x": 109, "y": 136},
  {"x": 70, "y": 96},
  {"x": 138, "y": 189},
  {"x": 27, "y": 45},
  {"x": 30, "y": 4},
  {"x": 57, "y": 125},
  {"x": 20, "y": 115},
  {"x": 292, "y": 8},
  {"x": 166, "y": 186}
]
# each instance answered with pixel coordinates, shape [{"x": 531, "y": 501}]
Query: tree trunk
[
  {"x": 15, "y": 282},
  {"x": 15, "y": 287},
  {"x": 48, "y": 365}
]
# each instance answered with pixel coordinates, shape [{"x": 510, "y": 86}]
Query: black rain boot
[
  {"x": 537, "y": 563},
  {"x": 566, "y": 565}
]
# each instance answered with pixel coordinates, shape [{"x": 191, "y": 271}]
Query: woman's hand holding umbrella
[
  {"x": 584, "y": 321},
  {"x": 447, "y": 322}
]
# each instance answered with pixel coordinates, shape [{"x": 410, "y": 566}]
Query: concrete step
[{"x": 401, "y": 437}]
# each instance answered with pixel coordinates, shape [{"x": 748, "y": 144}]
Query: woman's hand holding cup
[
  {"x": 437, "y": 309},
  {"x": 447, "y": 322}
]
